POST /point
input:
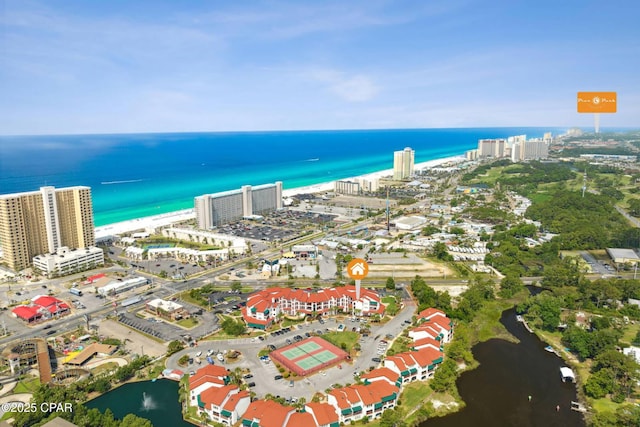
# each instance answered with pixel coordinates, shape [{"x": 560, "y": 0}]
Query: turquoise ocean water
[{"x": 147, "y": 174}]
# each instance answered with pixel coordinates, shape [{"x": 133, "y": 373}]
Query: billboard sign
[{"x": 597, "y": 102}]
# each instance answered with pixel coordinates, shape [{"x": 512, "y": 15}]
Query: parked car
[
  {"x": 278, "y": 377},
  {"x": 251, "y": 384},
  {"x": 376, "y": 359}
]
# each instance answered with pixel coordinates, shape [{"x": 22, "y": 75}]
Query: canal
[
  {"x": 156, "y": 401},
  {"x": 497, "y": 392}
]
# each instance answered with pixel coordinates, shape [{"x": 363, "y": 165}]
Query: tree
[
  {"x": 392, "y": 418},
  {"x": 510, "y": 285},
  {"x": 174, "y": 347},
  {"x": 440, "y": 252},
  {"x": 444, "y": 378},
  {"x": 231, "y": 327},
  {"x": 131, "y": 420},
  {"x": 391, "y": 284},
  {"x": 236, "y": 286}
]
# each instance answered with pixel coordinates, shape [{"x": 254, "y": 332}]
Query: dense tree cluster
[
  {"x": 428, "y": 297},
  {"x": 76, "y": 393},
  {"x": 582, "y": 222}
]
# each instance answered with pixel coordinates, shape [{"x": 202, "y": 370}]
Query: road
[{"x": 263, "y": 374}]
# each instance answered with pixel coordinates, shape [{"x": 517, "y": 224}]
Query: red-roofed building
[
  {"x": 224, "y": 404},
  {"x": 427, "y": 342},
  {"x": 42, "y": 306},
  {"x": 300, "y": 419},
  {"x": 28, "y": 313},
  {"x": 236, "y": 406},
  {"x": 439, "y": 320},
  {"x": 54, "y": 306},
  {"x": 324, "y": 415},
  {"x": 426, "y": 330},
  {"x": 92, "y": 279},
  {"x": 267, "y": 413},
  {"x": 430, "y": 313},
  {"x": 355, "y": 402},
  {"x": 382, "y": 374},
  {"x": 265, "y": 305},
  {"x": 415, "y": 365},
  {"x": 206, "y": 377}
]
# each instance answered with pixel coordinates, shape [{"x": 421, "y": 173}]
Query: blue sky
[{"x": 122, "y": 66}]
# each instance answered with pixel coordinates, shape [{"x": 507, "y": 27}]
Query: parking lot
[{"x": 264, "y": 372}]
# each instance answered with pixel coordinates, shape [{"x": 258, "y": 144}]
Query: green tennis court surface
[
  {"x": 316, "y": 360},
  {"x": 301, "y": 350}
]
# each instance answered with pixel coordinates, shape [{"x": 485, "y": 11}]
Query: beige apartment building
[
  {"x": 39, "y": 222},
  {"x": 403, "y": 163}
]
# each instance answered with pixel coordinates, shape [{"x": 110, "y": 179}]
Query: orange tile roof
[
  {"x": 301, "y": 419},
  {"x": 398, "y": 361},
  {"x": 216, "y": 395},
  {"x": 425, "y": 356},
  {"x": 323, "y": 413},
  {"x": 214, "y": 381},
  {"x": 380, "y": 389},
  {"x": 427, "y": 341},
  {"x": 431, "y": 312},
  {"x": 208, "y": 373},
  {"x": 366, "y": 397},
  {"x": 381, "y": 372},
  {"x": 231, "y": 404},
  {"x": 341, "y": 398},
  {"x": 441, "y": 322},
  {"x": 268, "y": 412}
]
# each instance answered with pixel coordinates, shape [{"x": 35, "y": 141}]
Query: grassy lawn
[
  {"x": 486, "y": 323},
  {"x": 348, "y": 338},
  {"x": 104, "y": 368},
  {"x": 290, "y": 322},
  {"x": 186, "y": 297},
  {"x": 630, "y": 332},
  {"x": 28, "y": 385},
  {"x": 604, "y": 405},
  {"x": 187, "y": 323},
  {"x": 401, "y": 344},
  {"x": 415, "y": 394},
  {"x": 392, "y": 305}
]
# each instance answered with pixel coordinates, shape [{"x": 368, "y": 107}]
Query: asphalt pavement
[{"x": 263, "y": 374}]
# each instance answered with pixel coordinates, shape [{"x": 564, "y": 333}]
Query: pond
[
  {"x": 497, "y": 392},
  {"x": 156, "y": 401}
]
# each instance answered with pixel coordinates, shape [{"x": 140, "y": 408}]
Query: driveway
[{"x": 263, "y": 374}]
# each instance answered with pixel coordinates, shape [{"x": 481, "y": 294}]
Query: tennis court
[
  {"x": 309, "y": 356},
  {"x": 301, "y": 349}
]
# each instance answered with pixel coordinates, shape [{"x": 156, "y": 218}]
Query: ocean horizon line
[{"x": 257, "y": 131}]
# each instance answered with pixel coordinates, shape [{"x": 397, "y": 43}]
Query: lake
[
  {"x": 156, "y": 401},
  {"x": 497, "y": 392}
]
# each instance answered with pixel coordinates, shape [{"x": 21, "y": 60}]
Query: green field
[{"x": 348, "y": 338}]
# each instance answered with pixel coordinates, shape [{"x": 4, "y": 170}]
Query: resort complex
[
  {"x": 264, "y": 307},
  {"x": 356, "y": 303}
]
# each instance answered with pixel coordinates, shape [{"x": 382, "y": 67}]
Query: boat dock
[{"x": 526, "y": 325}]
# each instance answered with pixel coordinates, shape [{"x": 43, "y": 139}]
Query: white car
[
  {"x": 210, "y": 352},
  {"x": 220, "y": 357},
  {"x": 198, "y": 354}
]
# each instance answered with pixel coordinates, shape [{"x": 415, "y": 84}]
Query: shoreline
[{"x": 105, "y": 231}]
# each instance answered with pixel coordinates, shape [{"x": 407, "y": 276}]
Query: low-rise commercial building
[
  {"x": 66, "y": 261},
  {"x": 166, "y": 309}
]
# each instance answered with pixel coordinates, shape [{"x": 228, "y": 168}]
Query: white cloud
[{"x": 351, "y": 88}]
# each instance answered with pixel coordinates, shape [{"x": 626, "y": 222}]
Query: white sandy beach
[{"x": 161, "y": 220}]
